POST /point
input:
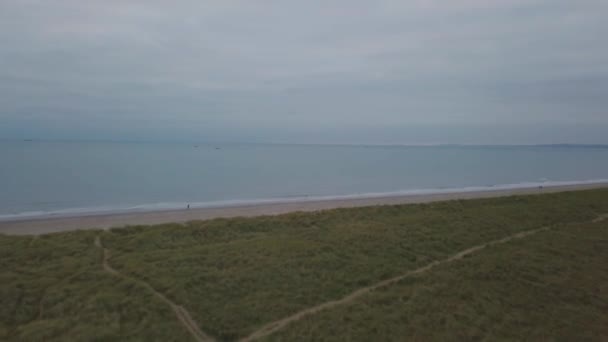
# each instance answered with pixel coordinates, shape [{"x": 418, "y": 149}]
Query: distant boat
[{"x": 217, "y": 148}]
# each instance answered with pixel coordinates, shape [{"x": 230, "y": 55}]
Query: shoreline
[{"x": 36, "y": 226}]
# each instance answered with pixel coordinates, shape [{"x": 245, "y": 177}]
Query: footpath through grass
[
  {"x": 550, "y": 286},
  {"x": 236, "y": 275},
  {"x": 52, "y": 288}
]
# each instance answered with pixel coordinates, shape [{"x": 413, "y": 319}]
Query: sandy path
[
  {"x": 600, "y": 218},
  {"x": 282, "y": 323},
  {"x": 182, "y": 314}
]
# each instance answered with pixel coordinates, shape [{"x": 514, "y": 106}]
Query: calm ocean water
[{"x": 42, "y": 178}]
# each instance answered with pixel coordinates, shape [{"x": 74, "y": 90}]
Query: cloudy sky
[{"x": 418, "y": 71}]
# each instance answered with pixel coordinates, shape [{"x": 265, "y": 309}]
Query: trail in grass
[
  {"x": 182, "y": 314},
  {"x": 280, "y": 324}
]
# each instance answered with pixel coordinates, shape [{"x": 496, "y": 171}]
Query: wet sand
[{"x": 104, "y": 221}]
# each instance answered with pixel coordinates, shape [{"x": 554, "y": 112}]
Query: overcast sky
[{"x": 458, "y": 71}]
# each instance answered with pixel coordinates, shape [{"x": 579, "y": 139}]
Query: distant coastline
[
  {"x": 264, "y": 143},
  {"x": 77, "y": 180},
  {"x": 173, "y": 206},
  {"x": 103, "y": 220}
]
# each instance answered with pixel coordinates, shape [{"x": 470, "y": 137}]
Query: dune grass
[
  {"x": 235, "y": 275},
  {"x": 52, "y": 288},
  {"x": 549, "y": 286}
]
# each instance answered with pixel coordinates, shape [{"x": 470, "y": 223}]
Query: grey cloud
[{"x": 319, "y": 65}]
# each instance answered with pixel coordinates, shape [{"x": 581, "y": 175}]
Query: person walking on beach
[{"x": 188, "y": 206}]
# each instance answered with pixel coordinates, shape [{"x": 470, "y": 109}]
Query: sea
[{"x": 46, "y": 179}]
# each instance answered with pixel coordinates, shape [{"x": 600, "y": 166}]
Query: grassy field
[
  {"x": 550, "y": 286},
  {"x": 236, "y": 275},
  {"x": 53, "y": 288}
]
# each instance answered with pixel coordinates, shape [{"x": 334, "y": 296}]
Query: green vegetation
[
  {"x": 236, "y": 275},
  {"x": 552, "y": 285},
  {"x": 52, "y": 288}
]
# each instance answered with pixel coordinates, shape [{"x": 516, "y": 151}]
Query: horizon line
[{"x": 435, "y": 144}]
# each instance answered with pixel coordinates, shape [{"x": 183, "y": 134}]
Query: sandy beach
[{"x": 105, "y": 221}]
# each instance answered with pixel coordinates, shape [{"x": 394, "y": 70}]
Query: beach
[{"x": 111, "y": 220}]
